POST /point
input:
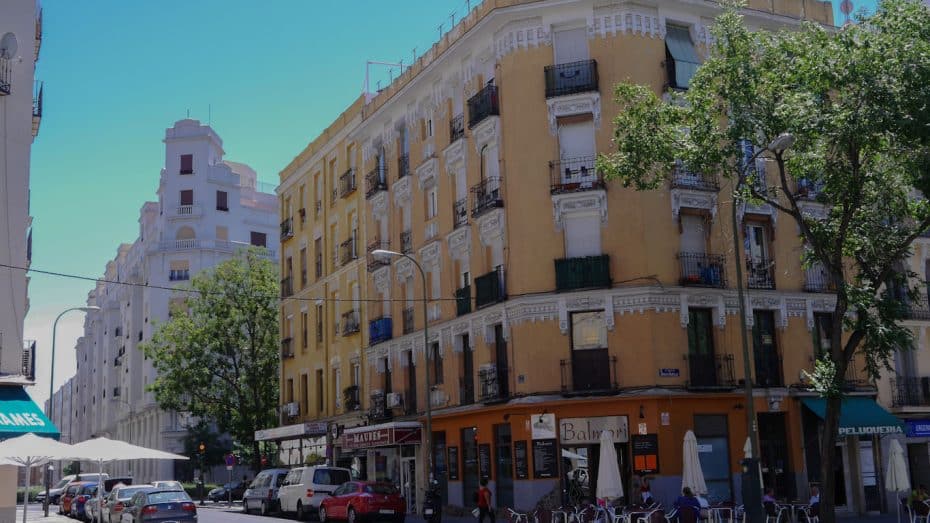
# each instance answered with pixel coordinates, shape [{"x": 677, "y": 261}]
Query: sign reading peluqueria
[{"x": 586, "y": 431}]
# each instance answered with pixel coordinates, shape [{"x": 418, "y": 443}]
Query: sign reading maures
[
  {"x": 381, "y": 437},
  {"x": 585, "y": 431}
]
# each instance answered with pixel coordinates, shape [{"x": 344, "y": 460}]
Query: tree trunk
[{"x": 831, "y": 424}]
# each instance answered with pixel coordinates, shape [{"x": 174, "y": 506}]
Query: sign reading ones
[{"x": 586, "y": 431}]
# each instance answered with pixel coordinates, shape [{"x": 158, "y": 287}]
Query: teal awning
[
  {"x": 859, "y": 416},
  {"x": 19, "y": 415}
]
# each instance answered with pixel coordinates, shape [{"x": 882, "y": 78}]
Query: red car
[
  {"x": 67, "y": 497},
  {"x": 357, "y": 500}
]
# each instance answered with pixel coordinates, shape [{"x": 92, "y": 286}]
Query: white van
[{"x": 305, "y": 487}]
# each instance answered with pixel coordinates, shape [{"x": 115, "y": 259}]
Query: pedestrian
[
  {"x": 484, "y": 502},
  {"x": 687, "y": 501},
  {"x": 645, "y": 491},
  {"x": 769, "y": 496}
]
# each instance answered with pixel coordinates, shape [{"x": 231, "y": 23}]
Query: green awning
[
  {"x": 859, "y": 416},
  {"x": 19, "y": 415}
]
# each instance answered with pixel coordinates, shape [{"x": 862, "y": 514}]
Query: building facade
[
  {"x": 208, "y": 210},
  {"x": 554, "y": 304}
]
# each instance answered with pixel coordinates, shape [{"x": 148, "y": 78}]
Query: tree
[
  {"x": 214, "y": 448},
  {"x": 854, "y": 100},
  {"x": 217, "y": 356}
]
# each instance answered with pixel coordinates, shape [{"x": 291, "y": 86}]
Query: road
[{"x": 222, "y": 515}]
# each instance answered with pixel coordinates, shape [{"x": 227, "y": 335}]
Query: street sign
[{"x": 230, "y": 461}]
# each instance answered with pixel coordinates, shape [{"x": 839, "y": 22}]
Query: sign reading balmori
[{"x": 585, "y": 431}]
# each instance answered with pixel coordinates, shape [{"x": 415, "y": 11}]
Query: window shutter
[
  {"x": 582, "y": 236},
  {"x": 571, "y": 45},
  {"x": 692, "y": 234}
]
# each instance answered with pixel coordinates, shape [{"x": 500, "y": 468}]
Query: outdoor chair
[{"x": 774, "y": 513}]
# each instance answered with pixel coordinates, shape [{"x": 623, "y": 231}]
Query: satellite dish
[{"x": 8, "y": 46}]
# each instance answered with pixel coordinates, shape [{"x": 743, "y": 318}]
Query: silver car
[
  {"x": 118, "y": 499},
  {"x": 262, "y": 494},
  {"x": 160, "y": 505}
]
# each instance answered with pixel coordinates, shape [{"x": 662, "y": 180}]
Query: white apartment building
[{"x": 208, "y": 210}]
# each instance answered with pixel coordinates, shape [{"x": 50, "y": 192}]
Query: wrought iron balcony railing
[
  {"x": 816, "y": 279},
  {"x": 351, "y": 398},
  {"x": 702, "y": 270},
  {"x": 582, "y": 273},
  {"x": 710, "y": 371},
  {"x": 491, "y": 384},
  {"x": 463, "y": 300},
  {"x": 460, "y": 213},
  {"x": 686, "y": 178},
  {"x": 374, "y": 262},
  {"x": 482, "y": 105},
  {"x": 350, "y": 322},
  {"x": 375, "y": 182},
  {"x": 409, "y": 323},
  {"x": 347, "y": 183},
  {"x": 179, "y": 275},
  {"x": 591, "y": 376},
  {"x": 571, "y": 78},
  {"x": 456, "y": 127},
  {"x": 490, "y": 288},
  {"x": 573, "y": 175},
  {"x": 910, "y": 391},
  {"x": 380, "y": 329},
  {"x": 466, "y": 391},
  {"x": 768, "y": 369},
  {"x": 403, "y": 166},
  {"x": 487, "y": 195},
  {"x": 406, "y": 242},
  {"x": 760, "y": 273},
  {"x": 348, "y": 251},
  {"x": 287, "y": 229},
  {"x": 287, "y": 287},
  {"x": 378, "y": 407}
]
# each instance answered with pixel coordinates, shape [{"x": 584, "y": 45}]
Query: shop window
[{"x": 712, "y": 435}]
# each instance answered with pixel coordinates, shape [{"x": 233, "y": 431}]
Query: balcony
[
  {"x": 409, "y": 323},
  {"x": 6, "y": 76},
  {"x": 37, "y": 110},
  {"x": 186, "y": 211},
  {"x": 571, "y": 78},
  {"x": 287, "y": 348},
  {"x": 702, "y": 270},
  {"x": 768, "y": 371},
  {"x": 466, "y": 391},
  {"x": 378, "y": 410},
  {"x": 347, "y": 251},
  {"x": 287, "y": 288},
  {"x": 910, "y": 392},
  {"x": 685, "y": 178},
  {"x": 375, "y": 262},
  {"x": 463, "y": 300},
  {"x": 917, "y": 309},
  {"x": 179, "y": 275},
  {"x": 483, "y": 105},
  {"x": 456, "y": 127},
  {"x": 810, "y": 190},
  {"x": 28, "y": 367},
  {"x": 490, "y": 288},
  {"x": 486, "y": 195},
  {"x": 403, "y": 166},
  {"x": 375, "y": 182},
  {"x": 287, "y": 229},
  {"x": 406, "y": 242},
  {"x": 351, "y": 398},
  {"x": 710, "y": 371},
  {"x": 350, "y": 323},
  {"x": 380, "y": 329},
  {"x": 347, "y": 183},
  {"x": 490, "y": 386},
  {"x": 816, "y": 279},
  {"x": 760, "y": 273},
  {"x": 589, "y": 371},
  {"x": 460, "y": 213},
  {"x": 574, "y": 175},
  {"x": 582, "y": 273}
]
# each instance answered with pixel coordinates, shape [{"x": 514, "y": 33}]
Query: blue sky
[{"x": 118, "y": 73}]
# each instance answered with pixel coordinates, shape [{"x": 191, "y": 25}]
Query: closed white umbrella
[
  {"x": 609, "y": 484},
  {"x": 896, "y": 479},
  {"x": 747, "y": 449},
  {"x": 29, "y": 451},
  {"x": 105, "y": 450},
  {"x": 691, "y": 475}
]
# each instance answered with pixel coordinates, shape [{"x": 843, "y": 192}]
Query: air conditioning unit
[
  {"x": 394, "y": 399},
  {"x": 292, "y": 409}
]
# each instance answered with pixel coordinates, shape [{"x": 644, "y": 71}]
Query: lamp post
[
  {"x": 51, "y": 379},
  {"x": 383, "y": 254},
  {"x": 751, "y": 477}
]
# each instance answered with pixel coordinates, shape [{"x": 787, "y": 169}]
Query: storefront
[
  {"x": 858, "y": 470},
  {"x": 295, "y": 443},
  {"x": 918, "y": 450},
  {"x": 388, "y": 452}
]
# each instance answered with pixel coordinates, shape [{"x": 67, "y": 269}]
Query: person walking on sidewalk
[{"x": 484, "y": 503}]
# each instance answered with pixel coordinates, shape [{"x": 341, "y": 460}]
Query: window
[
  {"x": 823, "y": 334},
  {"x": 304, "y": 327},
  {"x": 187, "y": 164},
  {"x": 258, "y": 239},
  {"x": 319, "y": 391},
  {"x": 432, "y": 207},
  {"x": 436, "y": 358},
  {"x": 303, "y": 266},
  {"x": 571, "y": 45},
  {"x": 187, "y": 197},
  {"x": 702, "y": 365},
  {"x": 304, "y": 392},
  {"x": 681, "y": 60},
  {"x": 693, "y": 236},
  {"x": 222, "y": 203},
  {"x": 590, "y": 362},
  {"x": 357, "y": 374},
  {"x": 222, "y": 232},
  {"x": 319, "y": 324},
  {"x": 765, "y": 350},
  {"x": 289, "y": 398}
]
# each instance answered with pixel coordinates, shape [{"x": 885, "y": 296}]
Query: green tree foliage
[
  {"x": 214, "y": 448},
  {"x": 217, "y": 357},
  {"x": 855, "y": 99}
]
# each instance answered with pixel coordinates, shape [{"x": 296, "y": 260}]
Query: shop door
[
  {"x": 714, "y": 455},
  {"x": 469, "y": 466},
  {"x": 869, "y": 475},
  {"x": 408, "y": 482},
  {"x": 503, "y": 458},
  {"x": 919, "y": 463},
  {"x": 840, "y": 481},
  {"x": 440, "y": 466},
  {"x": 773, "y": 440}
]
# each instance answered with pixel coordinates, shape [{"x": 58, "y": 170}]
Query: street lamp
[
  {"x": 51, "y": 379},
  {"x": 753, "y": 509},
  {"x": 384, "y": 254}
]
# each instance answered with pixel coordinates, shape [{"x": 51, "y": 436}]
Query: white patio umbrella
[
  {"x": 105, "y": 450},
  {"x": 691, "y": 475},
  {"x": 609, "y": 484},
  {"x": 896, "y": 479},
  {"x": 29, "y": 451}
]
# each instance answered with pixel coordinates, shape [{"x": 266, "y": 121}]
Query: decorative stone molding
[
  {"x": 521, "y": 34},
  {"x": 402, "y": 191},
  {"x": 379, "y": 204},
  {"x": 427, "y": 173},
  {"x": 430, "y": 254},
  {"x": 710, "y": 301},
  {"x": 487, "y": 132},
  {"x": 609, "y": 21},
  {"x": 382, "y": 279},
  {"x": 585, "y": 203},
  {"x": 767, "y": 302},
  {"x": 814, "y": 210},
  {"x": 335, "y": 362},
  {"x": 492, "y": 318},
  {"x": 692, "y": 199},
  {"x": 762, "y": 209},
  {"x": 459, "y": 242},
  {"x": 454, "y": 156},
  {"x": 491, "y": 227},
  {"x": 571, "y": 105},
  {"x": 812, "y": 305},
  {"x": 404, "y": 269},
  {"x": 429, "y": 148}
]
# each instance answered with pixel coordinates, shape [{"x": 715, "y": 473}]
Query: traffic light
[{"x": 203, "y": 448}]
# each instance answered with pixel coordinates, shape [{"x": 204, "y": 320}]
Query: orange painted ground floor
[{"x": 535, "y": 447}]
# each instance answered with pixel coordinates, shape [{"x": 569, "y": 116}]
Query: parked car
[
  {"x": 117, "y": 500},
  {"x": 168, "y": 485},
  {"x": 357, "y": 500},
  {"x": 160, "y": 505},
  {"x": 79, "y": 503},
  {"x": 71, "y": 492},
  {"x": 54, "y": 493},
  {"x": 55, "y": 497},
  {"x": 305, "y": 487},
  {"x": 92, "y": 507},
  {"x": 262, "y": 494},
  {"x": 222, "y": 493}
]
